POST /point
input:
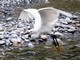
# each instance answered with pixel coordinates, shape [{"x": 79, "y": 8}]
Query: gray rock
[
  {"x": 9, "y": 19},
  {"x": 78, "y": 45}
]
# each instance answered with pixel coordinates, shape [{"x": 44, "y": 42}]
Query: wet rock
[
  {"x": 22, "y": 58},
  {"x": 78, "y": 45},
  {"x": 78, "y": 25},
  {"x": 46, "y": 47},
  {"x": 68, "y": 56},
  {"x": 49, "y": 59},
  {"x": 1, "y": 57},
  {"x": 1, "y": 35},
  {"x": 31, "y": 53},
  {"x": 78, "y": 57},
  {"x": 1, "y": 28},
  {"x": 75, "y": 22},
  {"x": 71, "y": 30},
  {"x": 9, "y": 19},
  {"x": 64, "y": 57},
  {"x": 75, "y": 58},
  {"x": 31, "y": 45}
]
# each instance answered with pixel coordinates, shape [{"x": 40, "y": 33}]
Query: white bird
[{"x": 45, "y": 18}]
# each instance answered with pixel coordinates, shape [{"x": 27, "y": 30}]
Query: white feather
[
  {"x": 27, "y": 13},
  {"x": 45, "y": 18}
]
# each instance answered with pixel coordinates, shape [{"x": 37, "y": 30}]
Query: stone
[
  {"x": 9, "y": 19},
  {"x": 78, "y": 45},
  {"x": 78, "y": 25},
  {"x": 49, "y": 59}
]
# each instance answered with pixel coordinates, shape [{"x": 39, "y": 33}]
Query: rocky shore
[{"x": 11, "y": 27}]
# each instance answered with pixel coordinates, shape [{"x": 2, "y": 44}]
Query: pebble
[
  {"x": 78, "y": 25},
  {"x": 49, "y": 59},
  {"x": 78, "y": 45}
]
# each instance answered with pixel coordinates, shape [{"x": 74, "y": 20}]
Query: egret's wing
[
  {"x": 49, "y": 17},
  {"x": 64, "y": 13},
  {"x": 27, "y": 13},
  {"x": 24, "y": 16},
  {"x": 44, "y": 18},
  {"x": 37, "y": 17},
  {"x": 67, "y": 14}
]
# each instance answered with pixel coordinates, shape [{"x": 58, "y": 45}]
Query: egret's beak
[{"x": 57, "y": 46}]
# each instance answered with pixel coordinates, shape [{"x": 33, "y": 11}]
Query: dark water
[{"x": 70, "y": 51}]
